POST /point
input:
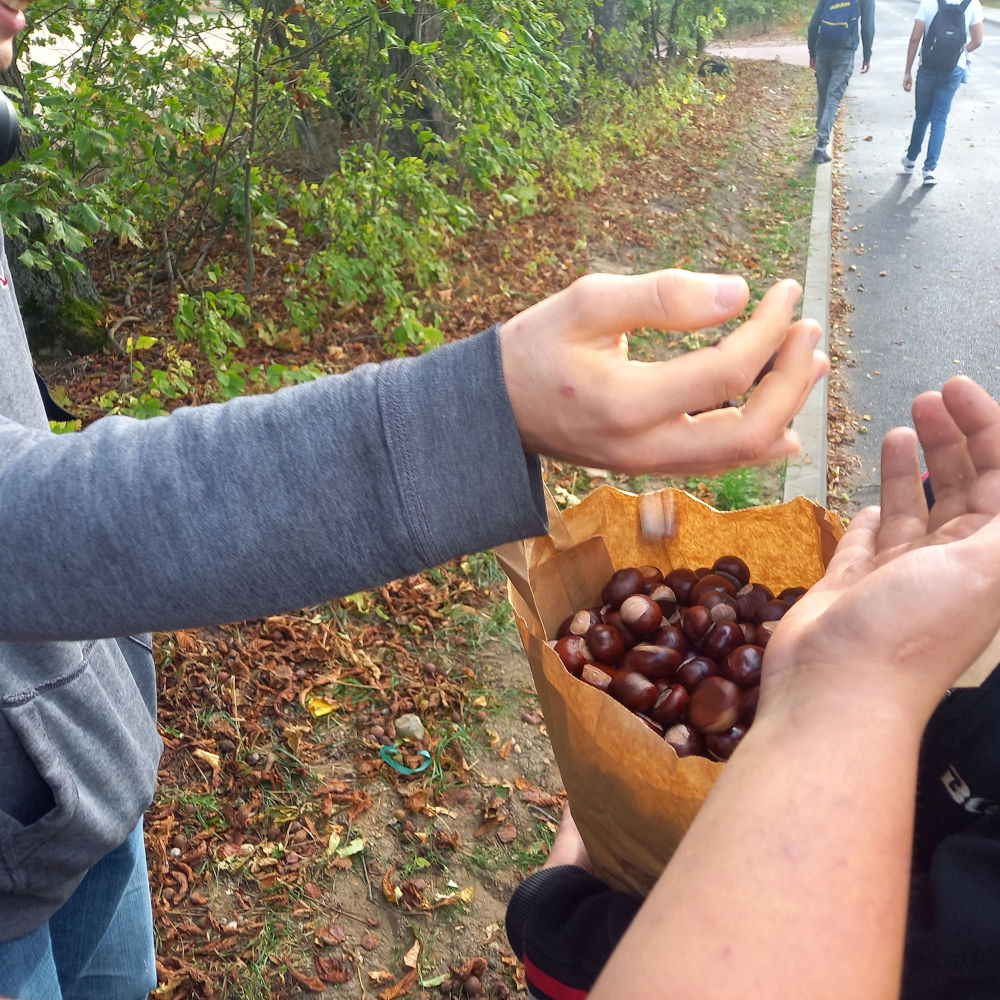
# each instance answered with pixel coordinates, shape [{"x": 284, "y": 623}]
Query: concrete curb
[{"x": 806, "y": 475}]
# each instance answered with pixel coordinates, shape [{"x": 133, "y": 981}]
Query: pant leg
[
  {"x": 944, "y": 94},
  {"x": 822, "y": 85},
  {"x": 102, "y": 938},
  {"x": 838, "y": 66},
  {"x": 28, "y": 969}
]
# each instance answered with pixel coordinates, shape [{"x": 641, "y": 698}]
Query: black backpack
[
  {"x": 945, "y": 36},
  {"x": 837, "y": 23}
]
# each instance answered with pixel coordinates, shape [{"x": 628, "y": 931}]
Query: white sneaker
[
  {"x": 908, "y": 164},
  {"x": 929, "y": 178}
]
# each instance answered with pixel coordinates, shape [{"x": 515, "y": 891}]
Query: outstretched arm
[
  {"x": 793, "y": 880},
  {"x": 577, "y": 396},
  {"x": 911, "y": 53},
  {"x": 975, "y": 37}
]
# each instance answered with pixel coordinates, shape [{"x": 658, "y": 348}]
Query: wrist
[{"x": 880, "y": 714}]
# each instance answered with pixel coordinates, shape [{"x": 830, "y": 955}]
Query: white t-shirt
[{"x": 928, "y": 8}]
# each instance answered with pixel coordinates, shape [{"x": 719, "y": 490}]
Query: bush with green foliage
[{"x": 361, "y": 130}]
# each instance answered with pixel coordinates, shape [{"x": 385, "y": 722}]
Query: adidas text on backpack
[
  {"x": 838, "y": 22},
  {"x": 944, "y": 38}
]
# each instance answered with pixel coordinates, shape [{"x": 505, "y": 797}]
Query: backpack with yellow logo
[{"x": 838, "y": 24}]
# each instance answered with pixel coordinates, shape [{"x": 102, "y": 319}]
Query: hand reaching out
[
  {"x": 910, "y": 598},
  {"x": 794, "y": 875},
  {"x": 577, "y": 396}
]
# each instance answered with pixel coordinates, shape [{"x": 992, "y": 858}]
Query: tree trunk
[
  {"x": 317, "y": 126},
  {"x": 422, "y": 110},
  {"x": 675, "y": 11}
]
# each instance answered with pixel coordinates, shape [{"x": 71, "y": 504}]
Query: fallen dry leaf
[
  {"x": 410, "y": 958},
  {"x": 401, "y": 988}
]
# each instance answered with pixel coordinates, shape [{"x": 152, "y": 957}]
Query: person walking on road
[
  {"x": 834, "y": 31},
  {"x": 946, "y": 31}
]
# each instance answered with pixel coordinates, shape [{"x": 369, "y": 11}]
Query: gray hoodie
[{"x": 216, "y": 513}]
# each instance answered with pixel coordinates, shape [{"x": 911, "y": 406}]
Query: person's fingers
[
  {"x": 904, "y": 507},
  {"x": 703, "y": 379},
  {"x": 730, "y": 436},
  {"x": 782, "y": 392},
  {"x": 854, "y": 550},
  {"x": 977, "y": 416},
  {"x": 946, "y": 454},
  {"x": 606, "y": 305}
]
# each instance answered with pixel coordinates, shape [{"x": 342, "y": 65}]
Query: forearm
[
  {"x": 263, "y": 504},
  {"x": 911, "y": 54},
  {"x": 800, "y": 851}
]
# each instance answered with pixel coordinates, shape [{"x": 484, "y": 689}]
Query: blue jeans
[
  {"x": 934, "y": 93},
  {"x": 98, "y": 945},
  {"x": 833, "y": 72}
]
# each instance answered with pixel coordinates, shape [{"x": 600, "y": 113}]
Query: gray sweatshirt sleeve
[
  {"x": 867, "y": 29},
  {"x": 262, "y": 504},
  {"x": 813, "y": 33}
]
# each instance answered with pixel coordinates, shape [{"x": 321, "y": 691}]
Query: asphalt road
[{"x": 922, "y": 264}]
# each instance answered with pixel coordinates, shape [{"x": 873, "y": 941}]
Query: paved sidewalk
[{"x": 787, "y": 50}]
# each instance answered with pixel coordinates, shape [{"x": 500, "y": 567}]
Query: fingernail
[{"x": 730, "y": 291}]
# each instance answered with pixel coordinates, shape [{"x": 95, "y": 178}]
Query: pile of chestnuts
[{"x": 681, "y": 650}]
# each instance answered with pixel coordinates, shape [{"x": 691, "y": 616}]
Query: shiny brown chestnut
[
  {"x": 720, "y": 746},
  {"x": 671, "y": 704},
  {"x": 770, "y": 611},
  {"x": 735, "y": 567},
  {"x": 623, "y": 583},
  {"x": 680, "y": 581},
  {"x": 750, "y": 598},
  {"x": 672, "y": 636},
  {"x": 633, "y": 690},
  {"x": 578, "y": 622},
  {"x": 791, "y": 594},
  {"x": 695, "y": 622},
  {"x": 722, "y": 639},
  {"x": 764, "y": 632},
  {"x": 715, "y": 705},
  {"x": 614, "y": 619},
  {"x": 711, "y": 582},
  {"x": 694, "y": 670},
  {"x": 597, "y": 675},
  {"x": 742, "y": 666},
  {"x": 685, "y": 739},
  {"x": 641, "y": 613},
  {"x": 574, "y": 653},
  {"x": 652, "y": 577},
  {"x": 655, "y": 662},
  {"x": 605, "y": 643},
  {"x": 723, "y": 606},
  {"x": 749, "y": 710},
  {"x": 665, "y": 598}
]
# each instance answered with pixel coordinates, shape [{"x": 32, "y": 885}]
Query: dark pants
[{"x": 833, "y": 72}]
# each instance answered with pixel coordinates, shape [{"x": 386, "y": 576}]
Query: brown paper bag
[{"x": 633, "y": 799}]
